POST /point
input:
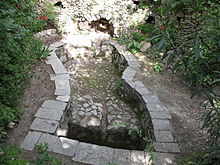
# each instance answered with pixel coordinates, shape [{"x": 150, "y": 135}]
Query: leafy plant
[
  {"x": 157, "y": 67},
  {"x": 9, "y": 155},
  {"x": 50, "y": 12},
  {"x": 45, "y": 158},
  {"x": 19, "y": 51}
]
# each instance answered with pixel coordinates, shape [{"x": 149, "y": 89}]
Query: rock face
[{"x": 109, "y": 16}]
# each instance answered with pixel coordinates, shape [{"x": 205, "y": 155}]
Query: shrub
[{"x": 18, "y": 51}]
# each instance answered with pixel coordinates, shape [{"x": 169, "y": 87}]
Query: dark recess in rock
[
  {"x": 150, "y": 20},
  {"x": 59, "y": 4},
  {"x": 103, "y": 25}
]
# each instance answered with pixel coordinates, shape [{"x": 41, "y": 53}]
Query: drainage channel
[{"x": 99, "y": 113}]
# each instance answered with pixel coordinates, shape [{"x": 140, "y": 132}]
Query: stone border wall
[{"x": 52, "y": 113}]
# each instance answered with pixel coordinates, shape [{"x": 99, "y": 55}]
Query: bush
[
  {"x": 190, "y": 42},
  {"x": 18, "y": 52}
]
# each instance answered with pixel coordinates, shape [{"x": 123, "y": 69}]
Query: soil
[{"x": 186, "y": 113}]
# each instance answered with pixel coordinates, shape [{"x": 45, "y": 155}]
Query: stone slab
[
  {"x": 62, "y": 92},
  {"x": 51, "y": 114},
  {"x": 160, "y": 115},
  {"x": 44, "y": 125},
  {"x": 136, "y": 84},
  {"x": 138, "y": 158},
  {"x": 58, "y": 67},
  {"x": 52, "y": 56},
  {"x": 142, "y": 90},
  {"x": 163, "y": 136},
  {"x": 54, "y": 104},
  {"x": 30, "y": 140},
  {"x": 166, "y": 147},
  {"x": 122, "y": 157},
  {"x": 57, "y": 44},
  {"x": 164, "y": 159},
  {"x": 127, "y": 77},
  {"x": 156, "y": 107},
  {"x": 151, "y": 98},
  {"x": 159, "y": 124},
  {"x": 49, "y": 139},
  {"x": 63, "y": 98},
  {"x": 65, "y": 146},
  {"x": 130, "y": 71},
  {"x": 59, "y": 77},
  {"x": 62, "y": 84},
  {"x": 94, "y": 154}
]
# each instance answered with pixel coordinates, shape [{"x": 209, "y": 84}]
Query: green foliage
[
  {"x": 157, "y": 67},
  {"x": 209, "y": 157},
  {"x": 18, "y": 52},
  {"x": 45, "y": 158},
  {"x": 10, "y": 155},
  {"x": 190, "y": 46},
  {"x": 50, "y": 12},
  {"x": 189, "y": 41}
]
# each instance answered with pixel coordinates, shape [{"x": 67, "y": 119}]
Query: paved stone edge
[{"x": 164, "y": 141}]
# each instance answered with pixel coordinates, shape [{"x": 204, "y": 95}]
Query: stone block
[
  {"x": 160, "y": 115},
  {"x": 122, "y": 157},
  {"x": 30, "y": 140},
  {"x": 132, "y": 63},
  {"x": 94, "y": 154},
  {"x": 127, "y": 77},
  {"x": 150, "y": 98},
  {"x": 130, "y": 71},
  {"x": 63, "y": 98},
  {"x": 54, "y": 104},
  {"x": 138, "y": 158},
  {"x": 62, "y": 84},
  {"x": 65, "y": 146},
  {"x": 142, "y": 90},
  {"x": 57, "y": 44},
  {"x": 166, "y": 147},
  {"x": 156, "y": 106},
  {"x": 49, "y": 139},
  {"x": 136, "y": 84},
  {"x": 62, "y": 92},
  {"x": 163, "y": 136},
  {"x": 48, "y": 126},
  {"x": 52, "y": 56},
  {"x": 50, "y": 114},
  {"x": 58, "y": 67},
  {"x": 159, "y": 124},
  {"x": 59, "y": 77},
  {"x": 164, "y": 159}
]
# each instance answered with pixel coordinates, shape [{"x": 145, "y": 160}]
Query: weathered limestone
[
  {"x": 164, "y": 159},
  {"x": 44, "y": 125},
  {"x": 65, "y": 146},
  {"x": 122, "y": 157},
  {"x": 93, "y": 154},
  {"x": 30, "y": 140},
  {"x": 53, "y": 104},
  {"x": 50, "y": 114},
  {"x": 49, "y": 139},
  {"x": 163, "y": 136},
  {"x": 167, "y": 147},
  {"x": 139, "y": 158}
]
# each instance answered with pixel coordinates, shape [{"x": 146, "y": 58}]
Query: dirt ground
[{"x": 186, "y": 113}]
